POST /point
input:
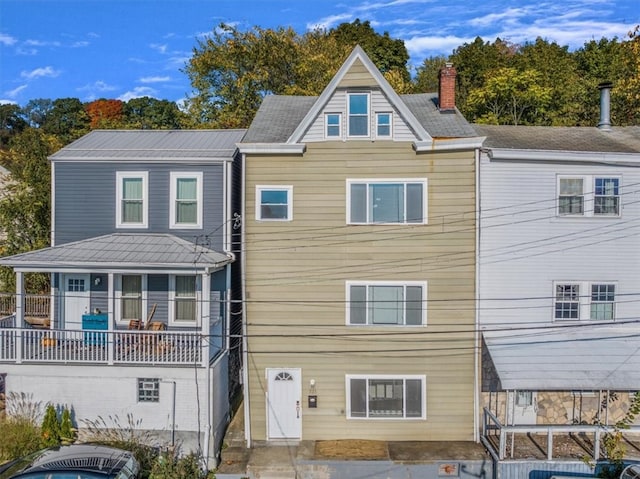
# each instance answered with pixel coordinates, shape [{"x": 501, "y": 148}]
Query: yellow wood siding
[{"x": 296, "y": 274}]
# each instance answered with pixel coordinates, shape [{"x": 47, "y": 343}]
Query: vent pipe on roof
[{"x": 605, "y": 106}]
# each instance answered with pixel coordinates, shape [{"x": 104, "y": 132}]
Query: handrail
[{"x": 550, "y": 429}]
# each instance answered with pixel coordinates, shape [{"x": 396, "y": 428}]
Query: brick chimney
[{"x": 447, "y": 88}]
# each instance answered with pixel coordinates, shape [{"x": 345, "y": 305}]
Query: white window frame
[
  {"x": 327, "y": 125},
  {"x": 378, "y": 125},
  {"x": 118, "y": 297},
  {"x": 585, "y": 301},
  {"x": 261, "y": 188},
  {"x": 368, "y": 285},
  {"x": 589, "y": 196},
  {"x": 367, "y": 115},
  {"x": 174, "y": 176},
  {"x": 368, "y": 182},
  {"x": 367, "y": 377},
  {"x": 172, "y": 301},
  {"x": 120, "y": 177}
]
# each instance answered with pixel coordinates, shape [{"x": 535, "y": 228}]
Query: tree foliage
[
  {"x": 148, "y": 113},
  {"x": 232, "y": 70},
  {"x": 105, "y": 114}
]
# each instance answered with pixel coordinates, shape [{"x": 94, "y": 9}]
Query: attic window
[
  {"x": 332, "y": 121},
  {"x": 383, "y": 125},
  {"x": 358, "y": 114}
]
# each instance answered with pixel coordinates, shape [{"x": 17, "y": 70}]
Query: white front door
[
  {"x": 76, "y": 299},
  {"x": 284, "y": 406},
  {"x": 523, "y": 407}
]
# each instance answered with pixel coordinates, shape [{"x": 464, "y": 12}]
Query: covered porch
[
  {"x": 557, "y": 390},
  {"x": 120, "y": 299}
]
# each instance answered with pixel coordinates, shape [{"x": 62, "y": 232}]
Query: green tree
[
  {"x": 148, "y": 113},
  {"x": 627, "y": 90},
  {"x": 509, "y": 97},
  {"x": 232, "y": 70},
  {"x": 50, "y": 428},
  {"x": 11, "y": 123},
  {"x": 426, "y": 80},
  {"x": 67, "y": 120},
  {"x": 473, "y": 61},
  {"x": 25, "y": 204},
  {"x": 36, "y": 111}
]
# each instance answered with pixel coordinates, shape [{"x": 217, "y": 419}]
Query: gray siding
[{"x": 85, "y": 200}]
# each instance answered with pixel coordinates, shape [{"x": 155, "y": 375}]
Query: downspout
[
  {"x": 173, "y": 412},
  {"x": 206, "y": 288},
  {"x": 243, "y": 275},
  {"x": 477, "y": 343}
]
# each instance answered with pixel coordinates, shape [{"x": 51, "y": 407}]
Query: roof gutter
[
  {"x": 449, "y": 144},
  {"x": 272, "y": 148},
  {"x": 626, "y": 159}
]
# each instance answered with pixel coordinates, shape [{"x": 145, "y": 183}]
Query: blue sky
[{"x": 90, "y": 49}]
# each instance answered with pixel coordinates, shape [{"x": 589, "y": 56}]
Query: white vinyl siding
[
  {"x": 186, "y": 206},
  {"x": 132, "y": 199},
  {"x": 373, "y": 201},
  {"x": 386, "y": 397},
  {"x": 379, "y": 303}
]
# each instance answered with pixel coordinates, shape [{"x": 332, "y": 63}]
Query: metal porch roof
[
  {"x": 591, "y": 357},
  {"x": 121, "y": 251}
]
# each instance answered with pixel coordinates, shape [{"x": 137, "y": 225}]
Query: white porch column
[
  {"x": 111, "y": 302},
  {"x": 206, "y": 318},
  {"x": 19, "y": 314}
]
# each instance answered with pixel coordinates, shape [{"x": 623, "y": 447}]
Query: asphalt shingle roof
[{"x": 578, "y": 139}]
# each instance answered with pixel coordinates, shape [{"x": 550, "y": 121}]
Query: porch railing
[
  {"x": 178, "y": 348},
  {"x": 35, "y": 305},
  {"x": 492, "y": 427}
]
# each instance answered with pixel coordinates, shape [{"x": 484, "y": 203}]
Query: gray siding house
[{"x": 141, "y": 265}]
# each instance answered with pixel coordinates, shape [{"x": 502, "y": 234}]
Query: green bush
[
  {"x": 170, "y": 465},
  {"x": 50, "y": 427},
  {"x": 20, "y": 436}
]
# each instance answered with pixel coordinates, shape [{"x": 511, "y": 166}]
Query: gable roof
[
  {"x": 152, "y": 145},
  {"x": 284, "y": 120},
  {"x": 121, "y": 251}
]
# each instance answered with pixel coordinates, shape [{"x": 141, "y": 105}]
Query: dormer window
[
  {"x": 383, "y": 125},
  {"x": 358, "y": 114},
  {"x": 332, "y": 121}
]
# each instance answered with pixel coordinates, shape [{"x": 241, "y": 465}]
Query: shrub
[
  {"x": 170, "y": 465},
  {"x": 20, "y": 436},
  {"x": 50, "y": 427}
]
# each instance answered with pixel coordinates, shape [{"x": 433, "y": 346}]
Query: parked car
[{"x": 77, "y": 461}]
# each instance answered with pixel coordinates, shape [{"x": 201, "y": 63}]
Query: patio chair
[{"x": 138, "y": 324}]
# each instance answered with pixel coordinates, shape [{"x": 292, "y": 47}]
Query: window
[
  {"x": 184, "y": 295},
  {"x": 602, "y": 301},
  {"x": 383, "y": 125},
  {"x": 571, "y": 201},
  {"x": 386, "y": 397},
  {"x": 524, "y": 398},
  {"x": 186, "y": 200},
  {"x": 333, "y": 122},
  {"x": 606, "y": 198},
  {"x": 385, "y": 304},
  {"x": 588, "y": 196},
  {"x": 386, "y": 201},
  {"x": 583, "y": 300},
  {"x": 148, "y": 390},
  {"x": 358, "y": 114},
  {"x": 274, "y": 203},
  {"x": 131, "y": 298},
  {"x": 131, "y": 193},
  {"x": 75, "y": 285}
]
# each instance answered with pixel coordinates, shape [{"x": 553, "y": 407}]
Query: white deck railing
[
  {"x": 492, "y": 427},
  {"x": 101, "y": 347}
]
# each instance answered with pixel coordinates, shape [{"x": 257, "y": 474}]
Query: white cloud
[
  {"x": 159, "y": 48},
  {"x": 328, "y": 22},
  {"x": 7, "y": 39},
  {"x": 16, "y": 91},
  {"x": 155, "y": 79},
  {"x": 80, "y": 44},
  {"x": 97, "y": 86},
  {"x": 508, "y": 16},
  {"x": 48, "y": 72},
  {"x": 7, "y": 102},
  {"x": 138, "y": 92},
  {"x": 421, "y": 46},
  {"x": 40, "y": 43}
]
